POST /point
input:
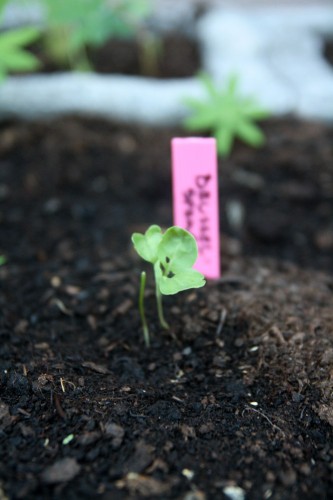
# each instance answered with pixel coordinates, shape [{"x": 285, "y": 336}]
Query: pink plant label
[{"x": 195, "y": 198}]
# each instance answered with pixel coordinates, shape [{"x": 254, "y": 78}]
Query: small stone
[
  {"x": 61, "y": 471},
  {"x": 234, "y": 492},
  {"x": 189, "y": 474},
  {"x": 21, "y": 326},
  {"x": 195, "y": 495},
  {"x": 305, "y": 469},
  {"x": 52, "y": 206},
  {"x": 288, "y": 477},
  {"x": 206, "y": 428},
  {"x": 116, "y": 432},
  {"x": 324, "y": 240}
]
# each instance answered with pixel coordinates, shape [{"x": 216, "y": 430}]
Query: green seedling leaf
[
  {"x": 170, "y": 284},
  {"x": 177, "y": 252},
  {"x": 227, "y": 114},
  {"x": 19, "y": 37},
  {"x": 147, "y": 244},
  {"x": 13, "y": 55},
  {"x": 173, "y": 255},
  {"x": 177, "y": 249},
  {"x": 3, "y": 260}
]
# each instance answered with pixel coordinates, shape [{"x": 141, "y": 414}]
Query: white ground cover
[{"x": 276, "y": 51}]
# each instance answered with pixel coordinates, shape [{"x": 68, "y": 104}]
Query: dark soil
[
  {"x": 171, "y": 56},
  {"x": 237, "y": 394}
]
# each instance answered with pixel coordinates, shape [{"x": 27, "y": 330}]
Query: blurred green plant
[
  {"x": 3, "y": 260},
  {"x": 13, "y": 54},
  {"x": 76, "y": 25},
  {"x": 227, "y": 114}
]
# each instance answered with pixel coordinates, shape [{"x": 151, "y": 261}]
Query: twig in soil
[
  {"x": 61, "y": 306},
  {"x": 58, "y": 406},
  {"x": 62, "y": 383},
  {"x": 23, "y": 412},
  {"x": 265, "y": 416},
  {"x": 135, "y": 415},
  {"x": 223, "y": 317},
  {"x": 276, "y": 332}
]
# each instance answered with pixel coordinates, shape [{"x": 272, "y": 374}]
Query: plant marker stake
[{"x": 195, "y": 198}]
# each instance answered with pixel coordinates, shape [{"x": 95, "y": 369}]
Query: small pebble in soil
[
  {"x": 61, "y": 471},
  {"x": 189, "y": 474},
  {"x": 234, "y": 492},
  {"x": 195, "y": 495}
]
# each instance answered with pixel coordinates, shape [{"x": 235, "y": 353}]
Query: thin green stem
[
  {"x": 82, "y": 62},
  {"x": 142, "y": 309},
  {"x": 163, "y": 323}
]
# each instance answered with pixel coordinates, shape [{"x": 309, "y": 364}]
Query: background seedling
[
  {"x": 172, "y": 255},
  {"x": 76, "y": 25},
  {"x": 227, "y": 114}
]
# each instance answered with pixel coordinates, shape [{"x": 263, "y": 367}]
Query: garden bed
[{"x": 237, "y": 396}]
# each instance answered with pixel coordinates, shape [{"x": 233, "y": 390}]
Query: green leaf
[
  {"x": 232, "y": 85},
  {"x": 18, "y": 38},
  {"x": 183, "y": 280},
  {"x": 19, "y": 60},
  {"x": 173, "y": 255},
  {"x": 226, "y": 114},
  {"x": 250, "y": 133},
  {"x": 139, "y": 8},
  {"x": 202, "y": 120},
  {"x": 224, "y": 139},
  {"x": 146, "y": 244},
  {"x": 13, "y": 56},
  {"x": 177, "y": 250}
]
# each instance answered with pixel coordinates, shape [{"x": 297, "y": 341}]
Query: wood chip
[
  {"x": 95, "y": 367},
  {"x": 144, "y": 485}
]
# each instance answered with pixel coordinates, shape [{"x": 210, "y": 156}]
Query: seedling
[
  {"x": 172, "y": 255},
  {"x": 227, "y": 114},
  {"x": 76, "y": 25},
  {"x": 13, "y": 55}
]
